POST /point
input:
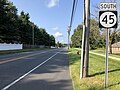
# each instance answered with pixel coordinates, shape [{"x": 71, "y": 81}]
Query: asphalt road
[{"x": 36, "y": 70}]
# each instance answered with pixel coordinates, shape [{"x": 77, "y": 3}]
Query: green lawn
[
  {"x": 95, "y": 81},
  {"x": 115, "y": 55},
  {"x": 102, "y": 51},
  {"x": 20, "y": 50}
]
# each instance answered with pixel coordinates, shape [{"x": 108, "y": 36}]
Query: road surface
[{"x": 35, "y": 70}]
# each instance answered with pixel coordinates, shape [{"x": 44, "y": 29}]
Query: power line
[
  {"x": 75, "y": 2},
  {"x": 71, "y": 21},
  {"x": 75, "y": 6}
]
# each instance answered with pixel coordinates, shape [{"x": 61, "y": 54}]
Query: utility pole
[
  {"x": 69, "y": 28},
  {"x": 33, "y": 36},
  {"x": 85, "y": 42}
]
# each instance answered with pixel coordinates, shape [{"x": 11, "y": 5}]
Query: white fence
[
  {"x": 33, "y": 46},
  {"x": 4, "y": 46}
]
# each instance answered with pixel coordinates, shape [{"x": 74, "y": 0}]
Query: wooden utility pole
[
  {"x": 87, "y": 29},
  {"x": 85, "y": 43},
  {"x": 69, "y": 28}
]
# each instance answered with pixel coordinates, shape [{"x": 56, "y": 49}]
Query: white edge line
[{"x": 11, "y": 84}]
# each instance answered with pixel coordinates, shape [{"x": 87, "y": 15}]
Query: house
[{"x": 116, "y": 47}]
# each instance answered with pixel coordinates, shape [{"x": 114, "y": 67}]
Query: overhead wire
[
  {"x": 75, "y": 10},
  {"x": 75, "y": 2}
]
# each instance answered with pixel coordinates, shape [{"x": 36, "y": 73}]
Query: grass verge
[
  {"x": 20, "y": 50},
  {"x": 102, "y": 51},
  {"x": 95, "y": 81}
]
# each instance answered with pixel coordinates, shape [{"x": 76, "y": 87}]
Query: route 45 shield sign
[{"x": 108, "y": 19}]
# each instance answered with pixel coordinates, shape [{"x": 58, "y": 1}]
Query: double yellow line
[{"x": 6, "y": 61}]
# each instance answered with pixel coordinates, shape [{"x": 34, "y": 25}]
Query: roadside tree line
[
  {"x": 16, "y": 28},
  {"x": 97, "y": 36}
]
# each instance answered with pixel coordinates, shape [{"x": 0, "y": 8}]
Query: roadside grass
[
  {"x": 117, "y": 55},
  {"x": 99, "y": 50},
  {"x": 102, "y": 51},
  {"x": 95, "y": 81},
  {"x": 19, "y": 50}
]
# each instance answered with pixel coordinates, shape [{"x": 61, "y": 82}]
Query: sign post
[
  {"x": 106, "y": 61},
  {"x": 107, "y": 19}
]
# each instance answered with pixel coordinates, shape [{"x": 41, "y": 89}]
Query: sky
[{"x": 54, "y": 15}]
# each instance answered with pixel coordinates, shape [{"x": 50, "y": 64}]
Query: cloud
[
  {"x": 62, "y": 41},
  {"x": 52, "y": 3},
  {"x": 58, "y": 34},
  {"x": 55, "y": 28}
]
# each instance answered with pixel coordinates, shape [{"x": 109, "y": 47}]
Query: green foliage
[
  {"x": 19, "y": 29},
  {"x": 114, "y": 36},
  {"x": 59, "y": 44},
  {"x": 97, "y": 36},
  {"x": 94, "y": 34},
  {"x": 8, "y": 25},
  {"x": 52, "y": 40},
  {"x": 77, "y": 36}
]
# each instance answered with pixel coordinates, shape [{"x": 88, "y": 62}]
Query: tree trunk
[
  {"x": 110, "y": 48},
  {"x": 110, "y": 45}
]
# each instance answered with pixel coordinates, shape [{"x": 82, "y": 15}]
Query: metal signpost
[{"x": 107, "y": 19}]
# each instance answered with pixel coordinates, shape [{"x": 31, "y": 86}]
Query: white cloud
[
  {"x": 62, "y": 41},
  {"x": 55, "y": 28},
  {"x": 52, "y": 3},
  {"x": 58, "y": 34}
]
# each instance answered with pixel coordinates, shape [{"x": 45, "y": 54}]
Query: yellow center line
[{"x": 14, "y": 59}]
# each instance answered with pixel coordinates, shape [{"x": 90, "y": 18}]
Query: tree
[
  {"x": 8, "y": 22},
  {"x": 113, "y": 38},
  {"x": 77, "y": 36},
  {"x": 94, "y": 34},
  {"x": 25, "y": 28},
  {"x": 59, "y": 44},
  {"x": 19, "y": 29},
  {"x": 113, "y": 33},
  {"x": 52, "y": 40}
]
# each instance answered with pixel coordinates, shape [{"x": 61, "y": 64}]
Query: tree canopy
[
  {"x": 77, "y": 36},
  {"x": 97, "y": 36},
  {"x": 16, "y": 28}
]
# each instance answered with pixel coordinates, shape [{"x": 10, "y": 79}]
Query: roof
[{"x": 116, "y": 45}]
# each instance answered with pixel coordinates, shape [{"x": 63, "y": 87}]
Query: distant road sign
[
  {"x": 108, "y": 19},
  {"x": 108, "y": 6}
]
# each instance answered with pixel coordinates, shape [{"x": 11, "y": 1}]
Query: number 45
[{"x": 108, "y": 19}]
